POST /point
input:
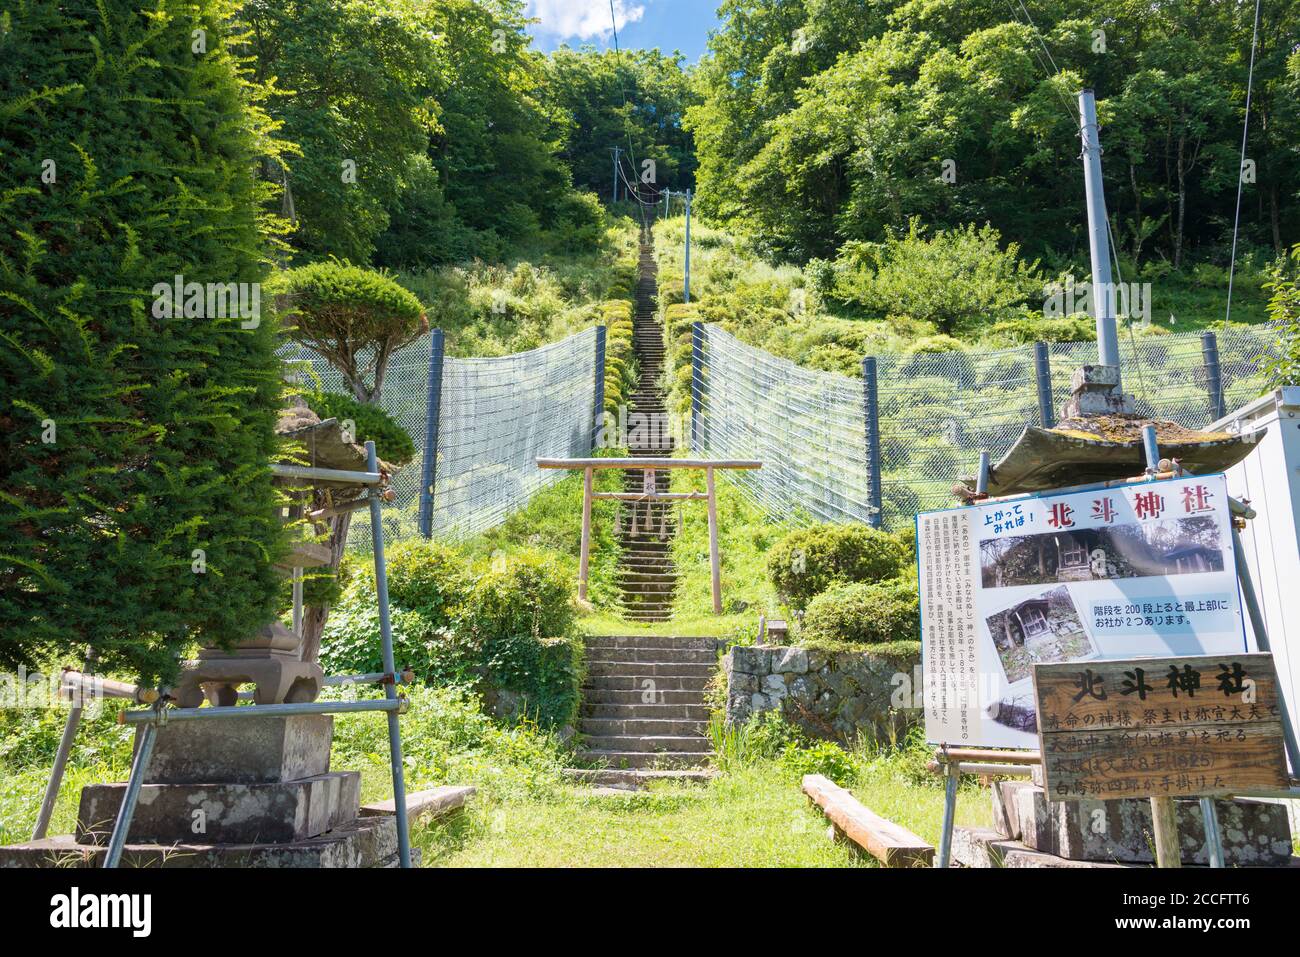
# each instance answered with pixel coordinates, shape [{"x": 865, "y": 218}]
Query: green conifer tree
[{"x": 137, "y": 512}]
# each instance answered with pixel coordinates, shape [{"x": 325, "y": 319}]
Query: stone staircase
[
  {"x": 646, "y": 529},
  {"x": 644, "y": 714}
]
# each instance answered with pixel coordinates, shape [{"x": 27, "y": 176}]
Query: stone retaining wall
[{"x": 831, "y": 695}]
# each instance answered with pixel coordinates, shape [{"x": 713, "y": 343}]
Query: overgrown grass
[
  {"x": 780, "y": 308},
  {"x": 492, "y": 309}
]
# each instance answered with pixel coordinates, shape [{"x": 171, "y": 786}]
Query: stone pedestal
[
  {"x": 1031, "y": 831},
  {"x": 246, "y": 792},
  {"x": 268, "y": 660},
  {"x": 1094, "y": 390}
]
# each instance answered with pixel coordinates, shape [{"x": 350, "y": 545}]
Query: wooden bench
[{"x": 889, "y": 843}]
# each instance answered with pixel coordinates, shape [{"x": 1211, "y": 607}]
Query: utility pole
[
  {"x": 617, "y": 150},
  {"x": 1098, "y": 389},
  {"x": 686, "y": 292},
  {"x": 1103, "y": 291}
]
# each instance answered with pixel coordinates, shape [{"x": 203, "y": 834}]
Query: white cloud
[{"x": 582, "y": 19}]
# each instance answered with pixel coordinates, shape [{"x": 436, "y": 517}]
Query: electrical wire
[{"x": 1245, "y": 128}]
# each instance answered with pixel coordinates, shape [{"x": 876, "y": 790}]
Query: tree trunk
[
  {"x": 314, "y": 616},
  {"x": 1274, "y": 218},
  {"x": 1182, "y": 205}
]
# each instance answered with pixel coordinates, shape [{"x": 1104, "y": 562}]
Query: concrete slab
[
  {"x": 223, "y": 813},
  {"x": 365, "y": 842},
  {"x": 242, "y": 750}
]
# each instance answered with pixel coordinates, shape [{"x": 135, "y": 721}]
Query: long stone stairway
[
  {"x": 644, "y": 715},
  {"x": 646, "y": 529}
]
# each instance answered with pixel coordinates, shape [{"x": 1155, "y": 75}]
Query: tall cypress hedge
[{"x": 129, "y": 135}]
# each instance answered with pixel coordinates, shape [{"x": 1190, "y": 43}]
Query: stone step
[
  {"x": 647, "y": 683},
  {"x": 642, "y": 759},
  {"x": 363, "y": 842},
  {"x": 658, "y": 695},
  {"x": 649, "y": 744},
  {"x": 640, "y": 641},
  {"x": 652, "y": 727},
  {"x": 642, "y": 591},
  {"x": 652, "y": 653},
  {"x": 636, "y": 778},
  {"x": 614, "y": 669},
  {"x": 690, "y": 712}
]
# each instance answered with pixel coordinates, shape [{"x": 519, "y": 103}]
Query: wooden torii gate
[{"x": 649, "y": 465}]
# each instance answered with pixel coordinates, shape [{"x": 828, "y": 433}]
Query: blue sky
[{"x": 667, "y": 24}]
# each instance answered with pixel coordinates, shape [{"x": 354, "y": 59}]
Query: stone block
[
  {"x": 774, "y": 686},
  {"x": 1098, "y": 403},
  {"x": 750, "y": 660},
  {"x": 1254, "y": 833},
  {"x": 1096, "y": 376},
  {"x": 223, "y": 813},
  {"x": 1006, "y": 819},
  {"x": 740, "y": 683},
  {"x": 789, "y": 661},
  {"x": 242, "y": 750},
  {"x": 362, "y": 842}
]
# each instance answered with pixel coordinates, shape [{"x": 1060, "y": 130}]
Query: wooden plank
[
  {"x": 653, "y": 496},
  {"x": 647, "y": 463},
  {"x": 889, "y": 843},
  {"x": 1160, "y": 727},
  {"x": 1164, "y": 824},
  {"x": 715, "y": 567},
  {"x": 585, "y": 552},
  {"x": 435, "y": 802},
  {"x": 990, "y": 754}
]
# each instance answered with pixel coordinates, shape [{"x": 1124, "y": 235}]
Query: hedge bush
[
  {"x": 505, "y": 627},
  {"x": 138, "y": 512},
  {"x": 807, "y": 561},
  {"x": 864, "y": 614}
]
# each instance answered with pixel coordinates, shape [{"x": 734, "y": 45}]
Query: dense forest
[{"x": 413, "y": 134}]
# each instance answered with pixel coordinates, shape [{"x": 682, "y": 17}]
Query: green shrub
[
  {"x": 393, "y": 444},
  {"x": 820, "y": 757},
  {"x": 132, "y": 437},
  {"x": 864, "y": 614},
  {"x": 1036, "y": 328},
  {"x": 958, "y": 279},
  {"x": 525, "y": 594},
  {"x": 504, "y": 627},
  {"x": 807, "y": 561}
]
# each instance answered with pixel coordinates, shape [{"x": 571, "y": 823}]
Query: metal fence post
[
  {"x": 1043, "y": 374},
  {"x": 598, "y": 415},
  {"x": 1213, "y": 374},
  {"x": 429, "y": 473},
  {"x": 871, "y": 412},
  {"x": 697, "y": 381}
]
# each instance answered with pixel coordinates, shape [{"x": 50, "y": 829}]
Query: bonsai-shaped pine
[
  {"x": 137, "y": 512},
  {"x": 356, "y": 318}
]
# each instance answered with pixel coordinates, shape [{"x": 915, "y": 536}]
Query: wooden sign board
[{"x": 1159, "y": 727}]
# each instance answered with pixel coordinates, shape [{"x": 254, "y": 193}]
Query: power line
[{"x": 1245, "y": 127}]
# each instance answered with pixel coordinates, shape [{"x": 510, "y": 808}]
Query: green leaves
[{"x": 134, "y": 440}]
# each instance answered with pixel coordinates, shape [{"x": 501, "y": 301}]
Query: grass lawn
[{"x": 749, "y": 818}]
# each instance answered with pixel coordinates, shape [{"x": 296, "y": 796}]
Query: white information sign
[{"x": 1140, "y": 570}]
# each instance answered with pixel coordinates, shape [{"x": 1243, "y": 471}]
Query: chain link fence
[
  {"x": 935, "y": 412},
  {"x": 494, "y": 417}
]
